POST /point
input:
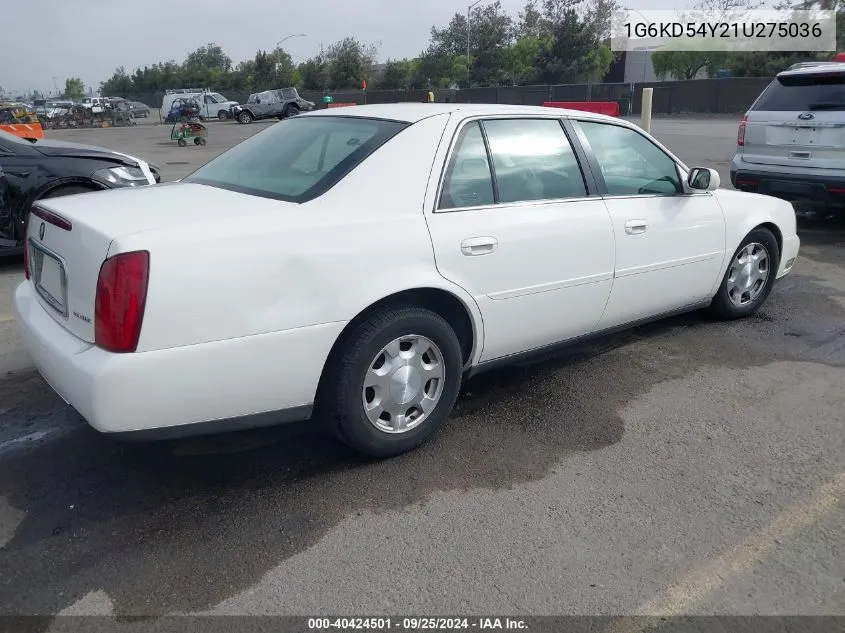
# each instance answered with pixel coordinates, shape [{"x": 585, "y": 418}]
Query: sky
[{"x": 93, "y": 38}]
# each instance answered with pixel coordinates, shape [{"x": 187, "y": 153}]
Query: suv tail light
[
  {"x": 26, "y": 257},
  {"x": 740, "y": 135},
  {"x": 120, "y": 300}
]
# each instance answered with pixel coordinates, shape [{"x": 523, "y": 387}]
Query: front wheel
[
  {"x": 222, "y": 115},
  {"x": 393, "y": 381},
  {"x": 749, "y": 278},
  {"x": 245, "y": 117}
]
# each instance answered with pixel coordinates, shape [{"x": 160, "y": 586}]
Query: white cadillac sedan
[{"x": 355, "y": 265}]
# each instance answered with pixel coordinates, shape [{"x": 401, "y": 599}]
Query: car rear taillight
[
  {"x": 119, "y": 303},
  {"x": 26, "y": 258},
  {"x": 740, "y": 135}
]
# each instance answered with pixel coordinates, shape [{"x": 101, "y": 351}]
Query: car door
[
  {"x": 518, "y": 225},
  {"x": 209, "y": 104},
  {"x": 669, "y": 244}
]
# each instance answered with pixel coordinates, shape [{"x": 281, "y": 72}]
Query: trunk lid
[
  {"x": 65, "y": 262},
  {"x": 799, "y": 120}
]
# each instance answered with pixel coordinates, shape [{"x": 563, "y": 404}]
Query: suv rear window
[
  {"x": 799, "y": 93},
  {"x": 297, "y": 159}
]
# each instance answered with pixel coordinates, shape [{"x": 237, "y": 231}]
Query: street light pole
[
  {"x": 469, "y": 7},
  {"x": 279, "y": 50}
]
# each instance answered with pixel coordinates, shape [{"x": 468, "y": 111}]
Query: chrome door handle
[
  {"x": 479, "y": 245},
  {"x": 634, "y": 227}
]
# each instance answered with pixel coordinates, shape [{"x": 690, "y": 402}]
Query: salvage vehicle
[
  {"x": 212, "y": 104},
  {"x": 269, "y": 104},
  {"x": 42, "y": 169},
  {"x": 380, "y": 255},
  {"x": 791, "y": 141}
]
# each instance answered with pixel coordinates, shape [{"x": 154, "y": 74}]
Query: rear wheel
[
  {"x": 392, "y": 382},
  {"x": 749, "y": 278},
  {"x": 182, "y": 142}
]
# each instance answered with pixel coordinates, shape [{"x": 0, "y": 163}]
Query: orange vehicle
[{"x": 17, "y": 119}]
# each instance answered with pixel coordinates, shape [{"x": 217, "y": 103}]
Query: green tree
[
  {"x": 314, "y": 73},
  {"x": 396, "y": 74},
  {"x": 349, "y": 62},
  {"x": 523, "y": 58},
  {"x": 74, "y": 88},
  {"x": 571, "y": 56},
  {"x": 682, "y": 65}
]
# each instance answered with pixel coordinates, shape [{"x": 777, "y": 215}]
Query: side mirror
[{"x": 703, "y": 179}]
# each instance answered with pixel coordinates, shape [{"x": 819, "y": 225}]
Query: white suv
[{"x": 791, "y": 142}]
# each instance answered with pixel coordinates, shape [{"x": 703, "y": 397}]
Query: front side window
[
  {"x": 209, "y": 99},
  {"x": 289, "y": 93},
  {"x": 468, "y": 182},
  {"x": 533, "y": 160},
  {"x": 629, "y": 162},
  {"x": 297, "y": 159}
]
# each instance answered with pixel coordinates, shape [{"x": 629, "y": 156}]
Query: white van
[{"x": 213, "y": 105}]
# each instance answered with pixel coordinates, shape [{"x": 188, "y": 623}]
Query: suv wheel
[
  {"x": 244, "y": 117},
  {"x": 222, "y": 115}
]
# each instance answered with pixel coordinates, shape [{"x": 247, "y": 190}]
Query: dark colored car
[
  {"x": 33, "y": 169},
  {"x": 270, "y": 104},
  {"x": 183, "y": 110}
]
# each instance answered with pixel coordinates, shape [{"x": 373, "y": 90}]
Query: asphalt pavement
[{"x": 685, "y": 467}]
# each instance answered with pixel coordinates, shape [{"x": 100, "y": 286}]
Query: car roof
[
  {"x": 413, "y": 112},
  {"x": 813, "y": 69}
]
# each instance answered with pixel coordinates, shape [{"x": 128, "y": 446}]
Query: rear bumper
[
  {"x": 210, "y": 387},
  {"x": 790, "y": 248},
  {"x": 794, "y": 185}
]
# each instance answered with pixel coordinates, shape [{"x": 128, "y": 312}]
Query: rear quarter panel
[{"x": 295, "y": 266}]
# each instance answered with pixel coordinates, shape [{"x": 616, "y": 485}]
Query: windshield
[
  {"x": 218, "y": 97},
  {"x": 802, "y": 93},
  {"x": 297, "y": 159}
]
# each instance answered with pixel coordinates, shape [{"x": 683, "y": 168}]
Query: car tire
[
  {"x": 290, "y": 111},
  {"x": 244, "y": 117},
  {"x": 749, "y": 278},
  {"x": 223, "y": 115},
  {"x": 409, "y": 344}
]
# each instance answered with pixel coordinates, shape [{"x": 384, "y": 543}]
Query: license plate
[
  {"x": 49, "y": 277},
  {"x": 805, "y": 136}
]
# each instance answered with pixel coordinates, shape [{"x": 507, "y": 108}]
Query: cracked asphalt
[{"x": 688, "y": 466}]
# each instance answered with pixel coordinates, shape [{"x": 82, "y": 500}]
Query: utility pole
[
  {"x": 468, "y": 12},
  {"x": 279, "y": 50}
]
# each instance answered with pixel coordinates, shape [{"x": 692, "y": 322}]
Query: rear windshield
[
  {"x": 803, "y": 92},
  {"x": 297, "y": 159}
]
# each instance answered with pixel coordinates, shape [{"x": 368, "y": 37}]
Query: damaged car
[{"x": 35, "y": 169}]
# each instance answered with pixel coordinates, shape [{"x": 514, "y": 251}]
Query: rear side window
[
  {"x": 533, "y": 160},
  {"x": 297, "y": 159},
  {"x": 800, "y": 93},
  {"x": 469, "y": 181}
]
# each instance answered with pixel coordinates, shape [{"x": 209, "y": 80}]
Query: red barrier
[
  {"x": 610, "y": 108},
  {"x": 340, "y": 105}
]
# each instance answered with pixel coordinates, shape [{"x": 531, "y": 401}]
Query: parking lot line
[{"x": 681, "y": 597}]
